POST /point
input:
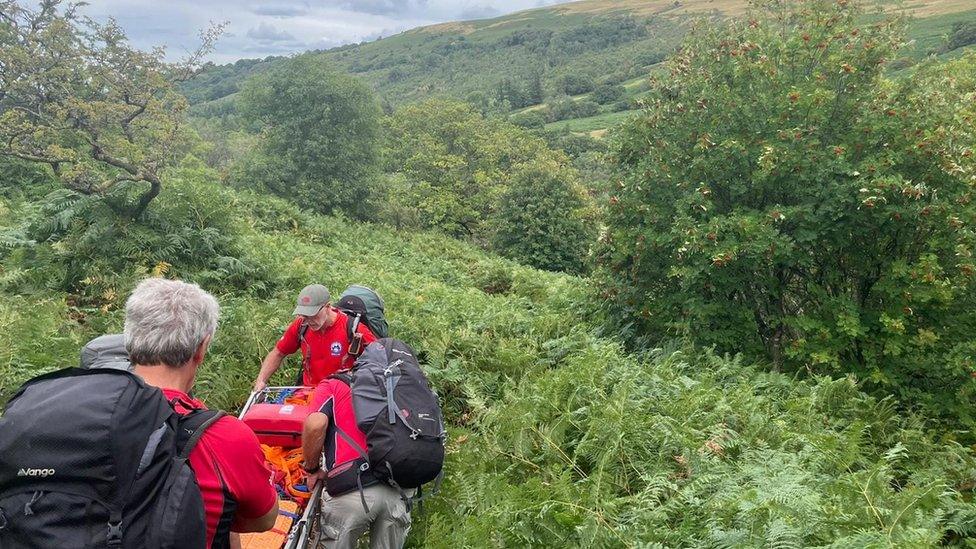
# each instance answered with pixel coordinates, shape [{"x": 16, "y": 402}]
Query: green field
[{"x": 592, "y": 123}]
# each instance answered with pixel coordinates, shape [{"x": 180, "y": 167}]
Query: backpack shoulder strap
[
  {"x": 306, "y": 355},
  {"x": 191, "y": 428},
  {"x": 344, "y": 376}
]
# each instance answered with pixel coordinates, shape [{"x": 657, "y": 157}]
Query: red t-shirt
[
  {"x": 324, "y": 350},
  {"x": 229, "y": 467},
  {"x": 333, "y": 398}
]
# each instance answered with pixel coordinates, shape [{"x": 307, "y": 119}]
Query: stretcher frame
[{"x": 305, "y": 527}]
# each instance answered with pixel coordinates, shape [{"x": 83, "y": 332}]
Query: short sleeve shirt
[
  {"x": 333, "y": 398},
  {"x": 324, "y": 351},
  {"x": 230, "y": 469}
]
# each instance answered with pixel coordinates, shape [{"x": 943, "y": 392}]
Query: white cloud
[
  {"x": 282, "y": 10},
  {"x": 258, "y": 28},
  {"x": 266, "y": 32}
]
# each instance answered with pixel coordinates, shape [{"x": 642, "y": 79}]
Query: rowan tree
[{"x": 780, "y": 196}]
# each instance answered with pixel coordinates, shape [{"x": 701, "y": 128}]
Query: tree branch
[
  {"x": 155, "y": 185},
  {"x": 33, "y": 158}
]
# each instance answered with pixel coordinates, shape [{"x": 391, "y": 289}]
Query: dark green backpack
[{"x": 362, "y": 304}]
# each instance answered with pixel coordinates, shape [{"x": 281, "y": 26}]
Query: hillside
[
  {"x": 526, "y": 57},
  {"x": 759, "y": 334},
  {"x": 557, "y": 436}
]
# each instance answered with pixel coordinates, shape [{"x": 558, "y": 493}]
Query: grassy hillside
[
  {"x": 611, "y": 41},
  {"x": 558, "y": 437}
]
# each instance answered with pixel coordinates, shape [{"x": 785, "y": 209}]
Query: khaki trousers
[{"x": 344, "y": 520}]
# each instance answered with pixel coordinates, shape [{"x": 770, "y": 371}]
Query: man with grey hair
[{"x": 168, "y": 328}]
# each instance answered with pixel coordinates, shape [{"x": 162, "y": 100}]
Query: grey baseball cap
[{"x": 311, "y": 300}]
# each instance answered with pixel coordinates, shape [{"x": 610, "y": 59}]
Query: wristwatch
[{"x": 312, "y": 471}]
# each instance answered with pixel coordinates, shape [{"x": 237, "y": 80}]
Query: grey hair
[{"x": 167, "y": 320}]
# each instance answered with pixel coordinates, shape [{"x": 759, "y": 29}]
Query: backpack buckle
[
  {"x": 115, "y": 534},
  {"x": 364, "y": 467},
  {"x": 414, "y": 434},
  {"x": 356, "y": 345}
]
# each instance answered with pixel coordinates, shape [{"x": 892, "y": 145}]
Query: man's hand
[
  {"x": 314, "y": 478},
  {"x": 259, "y": 385}
]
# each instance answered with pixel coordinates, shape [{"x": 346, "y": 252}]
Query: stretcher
[{"x": 297, "y": 526}]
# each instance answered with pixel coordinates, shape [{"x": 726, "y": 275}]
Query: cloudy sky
[{"x": 258, "y": 28}]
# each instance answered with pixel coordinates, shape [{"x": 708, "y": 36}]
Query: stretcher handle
[
  {"x": 247, "y": 405},
  {"x": 299, "y": 533},
  {"x": 253, "y": 398}
]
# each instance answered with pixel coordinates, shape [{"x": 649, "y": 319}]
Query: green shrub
[
  {"x": 963, "y": 34},
  {"x": 608, "y": 93},
  {"x": 320, "y": 133},
  {"x": 543, "y": 219},
  {"x": 574, "y": 144},
  {"x": 780, "y": 197},
  {"x": 529, "y": 119},
  {"x": 450, "y": 165},
  {"x": 565, "y": 108},
  {"x": 78, "y": 244},
  {"x": 575, "y": 84},
  {"x": 492, "y": 277}
]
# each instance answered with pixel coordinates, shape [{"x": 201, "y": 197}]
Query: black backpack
[
  {"x": 400, "y": 415},
  {"x": 97, "y": 458}
]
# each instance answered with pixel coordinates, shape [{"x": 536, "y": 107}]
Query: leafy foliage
[
  {"x": 963, "y": 34},
  {"x": 564, "y": 108},
  {"x": 455, "y": 163},
  {"x": 74, "y": 95},
  {"x": 66, "y": 241},
  {"x": 779, "y": 196},
  {"x": 558, "y": 438},
  {"x": 575, "y": 84},
  {"x": 678, "y": 449},
  {"x": 542, "y": 219},
  {"x": 320, "y": 143},
  {"x": 608, "y": 93}
]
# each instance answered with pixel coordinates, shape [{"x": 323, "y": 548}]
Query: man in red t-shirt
[
  {"x": 168, "y": 329},
  {"x": 344, "y": 519},
  {"x": 324, "y": 345}
]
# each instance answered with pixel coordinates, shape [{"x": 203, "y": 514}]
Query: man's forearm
[
  {"x": 270, "y": 365},
  {"x": 313, "y": 437}
]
